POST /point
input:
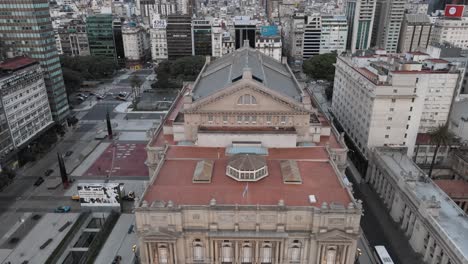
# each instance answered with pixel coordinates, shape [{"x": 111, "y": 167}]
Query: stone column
[
  {"x": 257, "y": 252},
  {"x": 410, "y": 225},
  {"x": 405, "y": 218},
  {"x": 436, "y": 254},
  {"x": 216, "y": 252},
  {"x": 319, "y": 254},
  {"x": 428, "y": 249}
]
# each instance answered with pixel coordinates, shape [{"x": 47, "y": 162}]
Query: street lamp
[
  {"x": 358, "y": 254},
  {"x": 134, "y": 249}
]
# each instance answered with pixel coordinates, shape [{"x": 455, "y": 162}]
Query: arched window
[
  {"x": 331, "y": 255},
  {"x": 247, "y": 99},
  {"x": 266, "y": 253},
  {"x": 197, "y": 250},
  {"x": 163, "y": 254},
  {"x": 246, "y": 256},
  {"x": 226, "y": 252},
  {"x": 296, "y": 251}
]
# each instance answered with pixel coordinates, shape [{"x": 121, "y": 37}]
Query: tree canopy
[
  {"x": 83, "y": 68},
  {"x": 321, "y": 66},
  {"x": 171, "y": 74}
]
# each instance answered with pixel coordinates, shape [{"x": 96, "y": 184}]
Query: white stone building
[
  {"x": 386, "y": 100},
  {"x": 452, "y": 31},
  {"x": 270, "y": 46},
  {"x": 24, "y": 98},
  {"x": 436, "y": 227},
  {"x": 136, "y": 45},
  {"x": 158, "y": 44},
  {"x": 246, "y": 189}
]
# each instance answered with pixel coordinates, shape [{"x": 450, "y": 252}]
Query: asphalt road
[{"x": 378, "y": 226}]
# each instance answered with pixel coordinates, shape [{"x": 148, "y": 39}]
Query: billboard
[
  {"x": 454, "y": 10},
  {"x": 99, "y": 194},
  {"x": 269, "y": 31},
  {"x": 159, "y": 23}
]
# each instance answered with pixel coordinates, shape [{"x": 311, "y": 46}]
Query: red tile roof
[
  {"x": 454, "y": 188},
  {"x": 16, "y": 63},
  {"x": 174, "y": 181},
  {"x": 437, "y": 60}
]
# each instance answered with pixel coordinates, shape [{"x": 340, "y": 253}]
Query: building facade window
[
  {"x": 226, "y": 252},
  {"x": 163, "y": 254},
  {"x": 197, "y": 250},
  {"x": 247, "y": 99}
]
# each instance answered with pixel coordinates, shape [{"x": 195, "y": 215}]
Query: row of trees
[
  {"x": 322, "y": 67},
  {"x": 171, "y": 74},
  {"x": 85, "y": 68}
]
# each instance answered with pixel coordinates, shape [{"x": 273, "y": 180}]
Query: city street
[
  {"x": 377, "y": 224},
  {"x": 21, "y": 200}
]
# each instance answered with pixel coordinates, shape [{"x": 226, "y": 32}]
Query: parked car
[
  {"x": 123, "y": 94},
  {"x": 68, "y": 153},
  {"x": 75, "y": 197},
  {"x": 117, "y": 259},
  {"x": 39, "y": 181},
  {"x": 120, "y": 98},
  {"x": 48, "y": 172},
  {"x": 99, "y": 97},
  {"x": 79, "y": 98},
  {"x": 82, "y": 95},
  {"x": 63, "y": 209}
]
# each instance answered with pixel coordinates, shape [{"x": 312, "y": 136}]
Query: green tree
[
  {"x": 440, "y": 136},
  {"x": 171, "y": 74},
  {"x": 321, "y": 66},
  {"x": 73, "y": 79},
  {"x": 136, "y": 83}
]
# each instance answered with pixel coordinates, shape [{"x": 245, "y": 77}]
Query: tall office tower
[
  {"x": 312, "y": 31},
  {"x": 118, "y": 41},
  {"x": 201, "y": 41},
  {"x": 25, "y": 27},
  {"x": 100, "y": 35},
  {"x": 179, "y": 36},
  {"x": 360, "y": 16},
  {"x": 245, "y": 30},
  {"x": 415, "y": 32},
  {"x": 334, "y": 34},
  {"x": 389, "y": 24},
  {"x": 296, "y": 38},
  {"x": 149, "y": 9}
]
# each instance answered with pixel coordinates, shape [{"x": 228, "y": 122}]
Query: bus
[{"x": 382, "y": 255}]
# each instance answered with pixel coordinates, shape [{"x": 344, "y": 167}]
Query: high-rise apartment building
[
  {"x": 360, "y": 17},
  {"x": 179, "y": 36},
  {"x": 158, "y": 44},
  {"x": 73, "y": 38},
  {"x": 451, "y": 31},
  {"x": 151, "y": 10},
  {"x": 26, "y": 28},
  {"x": 201, "y": 41},
  {"x": 136, "y": 45},
  {"x": 101, "y": 35},
  {"x": 296, "y": 38},
  {"x": 415, "y": 32},
  {"x": 387, "y": 100},
  {"x": 388, "y": 23},
  {"x": 24, "y": 99},
  {"x": 334, "y": 34}
]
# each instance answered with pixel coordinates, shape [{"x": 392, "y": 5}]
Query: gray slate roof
[{"x": 228, "y": 69}]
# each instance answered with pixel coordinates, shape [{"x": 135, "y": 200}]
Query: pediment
[
  {"x": 267, "y": 100},
  {"x": 335, "y": 235}
]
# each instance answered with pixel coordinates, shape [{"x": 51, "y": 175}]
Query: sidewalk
[{"x": 379, "y": 227}]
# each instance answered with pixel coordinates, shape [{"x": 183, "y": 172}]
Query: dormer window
[{"x": 247, "y": 99}]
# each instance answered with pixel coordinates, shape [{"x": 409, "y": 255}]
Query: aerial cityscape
[{"x": 234, "y": 131}]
